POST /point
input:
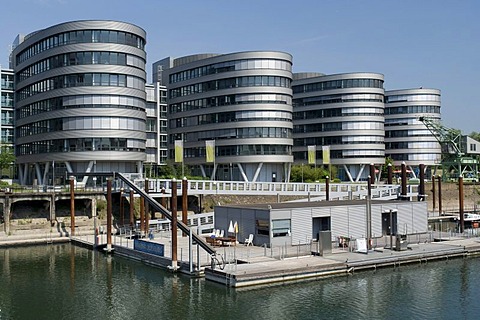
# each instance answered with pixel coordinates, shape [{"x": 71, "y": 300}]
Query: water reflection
[{"x": 62, "y": 281}]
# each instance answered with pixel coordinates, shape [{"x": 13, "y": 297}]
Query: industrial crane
[{"x": 455, "y": 161}]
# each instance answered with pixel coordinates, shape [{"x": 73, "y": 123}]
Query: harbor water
[{"x": 69, "y": 282}]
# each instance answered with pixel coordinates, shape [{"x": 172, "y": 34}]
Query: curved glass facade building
[
  {"x": 406, "y": 138},
  {"x": 239, "y": 103},
  {"x": 344, "y": 112},
  {"x": 80, "y": 100}
]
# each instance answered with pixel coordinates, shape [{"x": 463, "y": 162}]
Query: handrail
[{"x": 201, "y": 242}]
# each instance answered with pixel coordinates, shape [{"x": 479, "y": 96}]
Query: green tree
[
  {"x": 475, "y": 135},
  {"x": 307, "y": 173},
  {"x": 7, "y": 158}
]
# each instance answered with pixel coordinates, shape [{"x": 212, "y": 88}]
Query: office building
[
  {"x": 7, "y": 119},
  {"x": 344, "y": 112},
  {"x": 80, "y": 101},
  {"x": 239, "y": 105},
  {"x": 406, "y": 137}
]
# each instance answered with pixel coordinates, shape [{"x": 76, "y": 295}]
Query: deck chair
[{"x": 249, "y": 240}]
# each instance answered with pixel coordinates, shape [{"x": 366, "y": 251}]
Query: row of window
[
  {"x": 414, "y": 157},
  {"x": 412, "y": 97},
  {"x": 242, "y": 150},
  {"x": 82, "y": 36},
  {"x": 223, "y": 117},
  {"x": 6, "y": 81},
  {"x": 81, "y": 101},
  {"x": 7, "y": 100},
  {"x": 82, "y": 144},
  {"x": 81, "y": 123},
  {"x": 412, "y": 109},
  {"x": 228, "y": 100},
  {"x": 338, "y": 84},
  {"x": 343, "y": 154},
  {"x": 7, "y": 117},
  {"x": 338, "y": 112},
  {"x": 407, "y": 133},
  {"x": 251, "y": 81},
  {"x": 338, "y": 126},
  {"x": 234, "y": 65},
  {"x": 412, "y": 145},
  {"x": 338, "y": 98},
  {"x": 239, "y": 133},
  {"x": 80, "y": 58},
  {"x": 338, "y": 140},
  {"x": 80, "y": 80}
]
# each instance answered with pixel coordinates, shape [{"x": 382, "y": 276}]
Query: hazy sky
[{"x": 414, "y": 43}]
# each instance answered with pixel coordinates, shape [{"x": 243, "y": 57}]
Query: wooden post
[
  {"x": 109, "y": 215},
  {"x": 389, "y": 174},
  {"x": 439, "y": 195},
  {"x": 163, "y": 202},
  {"x": 72, "y": 206},
  {"x": 142, "y": 216},
  {"x": 433, "y": 193},
  {"x": 404, "y": 182},
  {"x": 460, "y": 204},
  {"x": 132, "y": 209},
  {"x": 372, "y": 173},
  {"x": 174, "y": 224},
  {"x": 327, "y": 188},
  {"x": 184, "y": 203},
  {"x": 421, "y": 187}
]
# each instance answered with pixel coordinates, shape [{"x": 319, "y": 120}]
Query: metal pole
[
  {"x": 122, "y": 220},
  {"x": 72, "y": 205},
  {"x": 439, "y": 195},
  {"x": 404, "y": 182},
  {"x": 460, "y": 204},
  {"x": 147, "y": 208},
  {"x": 184, "y": 203},
  {"x": 369, "y": 214},
  {"x": 142, "y": 216},
  {"x": 109, "y": 214},
  {"x": 327, "y": 188},
  {"x": 391, "y": 229},
  {"x": 190, "y": 250},
  {"x": 372, "y": 173},
  {"x": 174, "y": 224},
  {"x": 132, "y": 208},
  {"x": 433, "y": 194},
  {"x": 421, "y": 187}
]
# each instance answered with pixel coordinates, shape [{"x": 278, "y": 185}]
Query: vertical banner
[
  {"x": 312, "y": 154},
  {"x": 326, "y": 154},
  {"x": 210, "y": 150},
  {"x": 178, "y": 151}
]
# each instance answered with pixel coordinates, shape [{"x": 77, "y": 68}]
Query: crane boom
[{"x": 450, "y": 139}]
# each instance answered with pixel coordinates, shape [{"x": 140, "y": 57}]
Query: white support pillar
[
  {"x": 89, "y": 169},
  {"x": 45, "y": 172},
  {"x": 362, "y": 167},
  {"x": 38, "y": 173},
  {"x": 242, "y": 172},
  {"x": 69, "y": 167},
  {"x": 257, "y": 172},
  {"x": 202, "y": 169},
  {"x": 348, "y": 173},
  {"x": 214, "y": 171}
]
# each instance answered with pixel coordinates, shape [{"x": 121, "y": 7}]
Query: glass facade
[
  {"x": 243, "y": 101},
  {"x": 406, "y": 138},
  {"x": 80, "y": 99}
]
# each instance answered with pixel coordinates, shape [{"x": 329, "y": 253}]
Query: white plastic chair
[
  {"x": 249, "y": 240},
  {"x": 217, "y": 233},
  {"x": 222, "y": 233}
]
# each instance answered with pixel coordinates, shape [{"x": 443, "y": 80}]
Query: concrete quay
[{"x": 338, "y": 263}]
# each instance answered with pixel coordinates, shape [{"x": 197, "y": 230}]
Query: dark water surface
[{"x": 69, "y": 282}]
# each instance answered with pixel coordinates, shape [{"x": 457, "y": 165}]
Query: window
[
  {"x": 281, "y": 228},
  {"x": 263, "y": 227}
]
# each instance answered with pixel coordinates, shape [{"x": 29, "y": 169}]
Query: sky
[{"x": 413, "y": 43}]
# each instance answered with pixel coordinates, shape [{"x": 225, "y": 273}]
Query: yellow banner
[
  {"x": 312, "y": 154},
  {"x": 210, "y": 150},
  {"x": 178, "y": 151},
  {"x": 326, "y": 154}
]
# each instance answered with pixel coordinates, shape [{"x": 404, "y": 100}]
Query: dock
[{"x": 241, "y": 266}]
